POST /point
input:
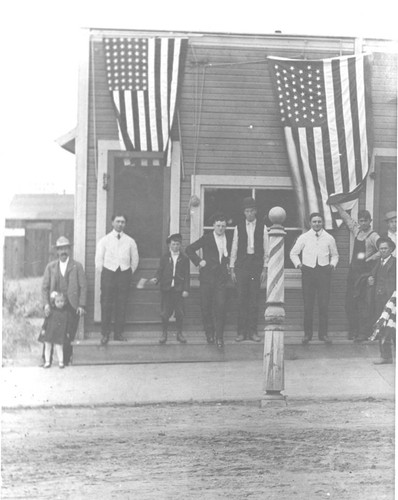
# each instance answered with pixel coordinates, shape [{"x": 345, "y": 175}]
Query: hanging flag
[
  {"x": 323, "y": 113},
  {"x": 143, "y": 77}
]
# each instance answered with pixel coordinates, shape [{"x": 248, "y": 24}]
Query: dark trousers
[
  {"x": 316, "y": 282},
  {"x": 357, "y": 303},
  {"x": 172, "y": 301},
  {"x": 248, "y": 273},
  {"x": 212, "y": 302},
  {"x": 387, "y": 343},
  {"x": 115, "y": 287}
]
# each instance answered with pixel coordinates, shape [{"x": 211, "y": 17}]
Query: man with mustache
[{"x": 65, "y": 275}]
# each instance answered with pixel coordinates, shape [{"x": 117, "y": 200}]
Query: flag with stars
[
  {"x": 143, "y": 77},
  {"x": 322, "y": 110}
]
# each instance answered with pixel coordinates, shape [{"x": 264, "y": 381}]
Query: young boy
[{"x": 173, "y": 278}]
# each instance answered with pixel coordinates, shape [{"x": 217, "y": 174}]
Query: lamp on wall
[{"x": 105, "y": 181}]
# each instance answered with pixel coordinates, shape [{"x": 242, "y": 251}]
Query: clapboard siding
[{"x": 230, "y": 126}]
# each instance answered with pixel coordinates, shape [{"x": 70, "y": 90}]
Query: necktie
[{"x": 118, "y": 236}]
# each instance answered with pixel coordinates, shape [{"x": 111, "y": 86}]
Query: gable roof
[{"x": 41, "y": 207}]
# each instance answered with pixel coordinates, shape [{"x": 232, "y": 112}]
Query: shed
[{"x": 33, "y": 224}]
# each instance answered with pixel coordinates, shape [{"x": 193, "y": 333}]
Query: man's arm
[
  {"x": 334, "y": 254},
  {"x": 134, "y": 256},
  {"x": 348, "y": 220},
  {"x": 192, "y": 249},
  {"x": 45, "y": 290},
  {"x": 99, "y": 255},
  {"x": 295, "y": 252},
  {"x": 234, "y": 254}
]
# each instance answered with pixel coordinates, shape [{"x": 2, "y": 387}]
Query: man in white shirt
[
  {"x": 248, "y": 267},
  {"x": 319, "y": 256},
  {"x": 117, "y": 259},
  {"x": 213, "y": 275},
  {"x": 391, "y": 219}
]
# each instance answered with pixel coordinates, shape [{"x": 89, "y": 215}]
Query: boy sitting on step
[{"x": 173, "y": 278}]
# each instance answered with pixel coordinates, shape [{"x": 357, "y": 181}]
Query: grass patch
[{"x": 22, "y": 315}]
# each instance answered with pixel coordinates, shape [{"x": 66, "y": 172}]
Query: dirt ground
[{"x": 305, "y": 450}]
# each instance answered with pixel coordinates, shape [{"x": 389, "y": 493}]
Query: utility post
[{"x": 273, "y": 364}]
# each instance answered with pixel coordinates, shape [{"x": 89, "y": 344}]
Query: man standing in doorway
[
  {"x": 117, "y": 259},
  {"x": 318, "y": 257},
  {"x": 248, "y": 267},
  {"x": 66, "y": 276},
  {"x": 213, "y": 276}
]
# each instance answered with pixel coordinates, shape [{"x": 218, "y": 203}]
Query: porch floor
[{"x": 143, "y": 347}]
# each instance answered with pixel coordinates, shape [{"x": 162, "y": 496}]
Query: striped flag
[
  {"x": 323, "y": 113},
  {"x": 143, "y": 76}
]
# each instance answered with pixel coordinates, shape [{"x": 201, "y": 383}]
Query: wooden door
[{"x": 142, "y": 193}]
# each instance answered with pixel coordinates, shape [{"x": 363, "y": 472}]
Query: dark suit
[
  {"x": 172, "y": 300},
  {"x": 213, "y": 280},
  {"x": 384, "y": 285},
  {"x": 74, "y": 286}
]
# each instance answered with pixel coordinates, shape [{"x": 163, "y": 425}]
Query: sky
[{"x": 41, "y": 51}]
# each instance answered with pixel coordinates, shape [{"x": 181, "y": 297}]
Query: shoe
[
  {"x": 46, "y": 365},
  {"x": 163, "y": 338},
  {"x": 120, "y": 338},
  {"x": 240, "y": 338},
  {"x": 61, "y": 365},
  {"x": 306, "y": 340},
  {"x": 326, "y": 339},
  {"x": 383, "y": 362},
  {"x": 181, "y": 338},
  {"x": 220, "y": 343},
  {"x": 104, "y": 339},
  {"x": 254, "y": 337}
]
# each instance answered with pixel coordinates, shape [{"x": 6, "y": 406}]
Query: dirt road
[{"x": 320, "y": 450}]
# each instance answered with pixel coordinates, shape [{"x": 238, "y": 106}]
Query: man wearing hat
[
  {"x": 116, "y": 257},
  {"x": 173, "y": 278},
  {"x": 391, "y": 219},
  {"x": 66, "y": 276},
  {"x": 213, "y": 276},
  {"x": 248, "y": 268}
]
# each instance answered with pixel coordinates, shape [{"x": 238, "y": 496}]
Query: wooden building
[
  {"x": 227, "y": 143},
  {"x": 33, "y": 224}
]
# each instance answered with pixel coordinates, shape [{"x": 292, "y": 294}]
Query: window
[{"x": 228, "y": 200}]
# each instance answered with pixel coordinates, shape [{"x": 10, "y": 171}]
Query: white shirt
[
  {"x": 384, "y": 261},
  {"x": 113, "y": 253},
  {"x": 174, "y": 257},
  {"x": 63, "y": 266},
  {"x": 321, "y": 249},
  {"x": 221, "y": 242},
  {"x": 250, "y": 228}
]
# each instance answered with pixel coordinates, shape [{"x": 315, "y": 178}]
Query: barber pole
[{"x": 273, "y": 365}]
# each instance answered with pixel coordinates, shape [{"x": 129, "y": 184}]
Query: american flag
[
  {"x": 143, "y": 76},
  {"x": 323, "y": 113}
]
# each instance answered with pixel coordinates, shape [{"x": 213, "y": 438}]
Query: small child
[
  {"x": 55, "y": 330},
  {"x": 173, "y": 278}
]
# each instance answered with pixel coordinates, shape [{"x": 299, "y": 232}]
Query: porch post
[{"x": 273, "y": 363}]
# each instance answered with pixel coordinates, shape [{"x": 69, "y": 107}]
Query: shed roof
[{"x": 41, "y": 207}]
